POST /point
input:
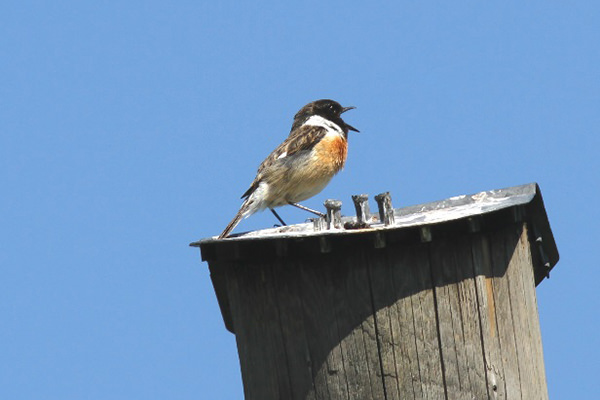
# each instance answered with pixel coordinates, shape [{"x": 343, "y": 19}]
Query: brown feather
[{"x": 303, "y": 138}]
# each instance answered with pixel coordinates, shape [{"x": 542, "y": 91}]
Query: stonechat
[{"x": 302, "y": 165}]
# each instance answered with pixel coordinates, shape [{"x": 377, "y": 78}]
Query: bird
[{"x": 302, "y": 165}]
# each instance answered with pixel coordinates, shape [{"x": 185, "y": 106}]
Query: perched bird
[{"x": 302, "y": 165}]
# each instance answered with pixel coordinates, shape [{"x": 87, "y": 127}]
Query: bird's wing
[{"x": 301, "y": 139}]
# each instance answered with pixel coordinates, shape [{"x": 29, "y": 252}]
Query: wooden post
[{"x": 388, "y": 312}]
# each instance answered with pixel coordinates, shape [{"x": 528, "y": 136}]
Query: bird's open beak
[{"x": 350, "y": 127}]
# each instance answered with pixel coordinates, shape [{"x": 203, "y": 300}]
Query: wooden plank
[
  {"x": 486, "y": 306},
  {"x": 521, "y": 283},
  {"x": 386, "y": 314},
  {"x": 460, "y": 334},
  {"x": 320, "y": 321},
  {"x": 258, "y": 335},
  {"x": 443, "y": 265},
  {"x": 415, "y": 268},
  {"x": 528, "y": 281},
  {"x": 471, "y": 356},
  {"x": 513, "y": 277},
  {"x": 404, "y": 330},
  {"x": 287, "y": 278},
  {"x": 355, "y": 321},
  {"x": 506, "y": 328}
]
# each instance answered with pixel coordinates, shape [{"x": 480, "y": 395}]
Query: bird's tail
[{"x": 236, "y": 220}]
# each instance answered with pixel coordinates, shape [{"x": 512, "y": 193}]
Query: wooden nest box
[{"x": 432, "y": 301}]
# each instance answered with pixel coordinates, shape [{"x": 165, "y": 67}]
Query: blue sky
[{"x": 129, "y": 129}]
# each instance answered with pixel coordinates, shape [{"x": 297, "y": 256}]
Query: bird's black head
[{"x": 328, "y": 109}]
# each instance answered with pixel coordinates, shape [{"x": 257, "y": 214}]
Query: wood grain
[{"x": 454, "y": 318}]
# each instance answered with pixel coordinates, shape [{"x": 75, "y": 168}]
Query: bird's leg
[
  {"x": 300, "y": 206},
  {"x": 278, "y": 217}
]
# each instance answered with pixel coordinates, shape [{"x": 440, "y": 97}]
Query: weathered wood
[
  {"x": 358, "y": 342},
  {"x": 393, "y": 284},
  {"x": 454, "y": 318},
  {"x": 522, "y": 299},
  {"x": 322, "y": 331},
  {"x": 493, "y": 352},
  {"x": 510, "y": 327},
  {"x": 459, "y": 331},
  {"x": 521, "y": 327},
  {"x": 383, "y": 291},
  {"x": 256, "y": 319},
  {"x": 293, "y": 329},
  {"x": 426, "y": 332},
  {"x": 527, "y": 280},
  {"x": 402, "y": 261}
]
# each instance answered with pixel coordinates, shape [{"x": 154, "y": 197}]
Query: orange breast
[{"x": 331, "y": 152}]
